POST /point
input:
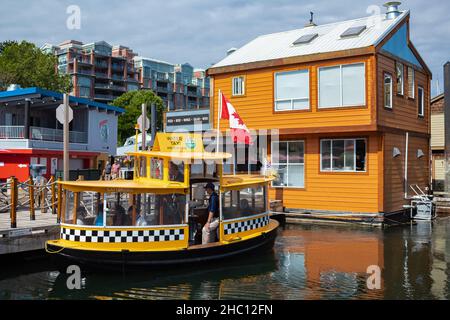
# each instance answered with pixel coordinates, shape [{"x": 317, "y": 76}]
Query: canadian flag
[{"x": 239, "y": 131}]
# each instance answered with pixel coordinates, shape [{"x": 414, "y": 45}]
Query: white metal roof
[{"x": 280, "y": 45}]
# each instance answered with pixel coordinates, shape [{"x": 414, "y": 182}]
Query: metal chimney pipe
[{"x": 392, "y": 9}]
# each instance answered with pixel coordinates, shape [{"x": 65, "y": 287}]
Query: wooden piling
[
  {"x": 59, "y": 204},
  {"x": 43, "y": 195},
  {"x": 14, "y": 198},
  {"x": 53, "y": 190},
  {"x": 31, "y": 196}
]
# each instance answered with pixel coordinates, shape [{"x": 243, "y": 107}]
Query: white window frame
[
  {"x": 402, "y": 77},
  {"x": 342, "y": 87},
  {"x": 421, "y": 110},
  {"x": 275, "y": 100},
  {"x": 331, "y": 156},
  {"x": 238, "y": 86},
  {"x": 287, "y": 164},
  {"x": 412, "y": 91},
  {"x": 387, "y": 75}
]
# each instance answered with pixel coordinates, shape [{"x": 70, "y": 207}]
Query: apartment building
[
  {"x": 103, "y": 72},
  {"x": 99, "y": 71}
]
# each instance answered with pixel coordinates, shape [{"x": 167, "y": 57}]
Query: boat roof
[
  {"x": 181, "y": 146},
  {"x": 214, "y": 156},
  {"x": 129, "y": 186}
]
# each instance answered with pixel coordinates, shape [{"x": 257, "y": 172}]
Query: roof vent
[
  {"x": 307, "y": 38},
  {"x": 392, "y": 9},
  {"x": 311, "y": 21},
  {"x": 230, "y": 51}
]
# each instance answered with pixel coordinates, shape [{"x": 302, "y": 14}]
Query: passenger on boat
[
  {"x": 81, "y": 215},
  {"x": 209, "y": 230},
  {"x": 99, "y": 219},
  {"x": 121, "y": 218},
  {"x": 175, "y": 173}
]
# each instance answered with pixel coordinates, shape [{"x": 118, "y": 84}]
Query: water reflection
[{"x": 308, "y": 262}]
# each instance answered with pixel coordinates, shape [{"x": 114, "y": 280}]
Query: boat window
[
  {"x": 243, "y": 203},
  {"x": 176, "y": 171},
  {"x": 203, "y": 170},
  {"x": 83, "y": 208},
  {"x": 143, "y": 167},
  {"x": 157, "y": 209},
  {"x": 156, "y": 168},
  {"x": 124, "y": 210}
]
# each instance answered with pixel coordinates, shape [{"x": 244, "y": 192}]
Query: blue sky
[{"x": 201, "y": 31}]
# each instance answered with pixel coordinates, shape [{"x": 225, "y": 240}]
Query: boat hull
[{"x": 120, "y": 260}]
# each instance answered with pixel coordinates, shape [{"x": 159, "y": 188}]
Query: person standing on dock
[{"x": 209, "y": 230}]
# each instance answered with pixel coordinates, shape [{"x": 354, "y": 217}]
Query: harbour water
[{"x": 308, "y": 262}]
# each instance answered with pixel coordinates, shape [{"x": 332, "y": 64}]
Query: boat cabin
[{"x": 164, "y": 206}]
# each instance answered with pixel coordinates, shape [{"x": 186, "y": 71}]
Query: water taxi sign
[{"x": 178, "y": 142}]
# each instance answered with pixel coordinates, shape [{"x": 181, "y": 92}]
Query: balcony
[
  {"x": 47, "y": 134},
  {"x": 108, "y": 97},
  {"x": 42, "y": 134},
  {"x": 117, "y": 67},
  {"x": 12, "y": 132},
  {"x": 102, "y": 75},
  {"x": 117, "y": 77}
]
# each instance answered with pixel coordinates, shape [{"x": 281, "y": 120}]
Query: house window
[
  {"x": 342, "y": 86},
  {"x": 400, "y": 78},
  {"x": 421, "y": 101},
  {"x": 388, "y": 91},
  {"x": 411, "y": 81},
  {"x": 238, "y": 86},
  {"x": 292, "y": 90},
  {"x": 343, "y": 155},
  {"x": 288, "y": 160}
]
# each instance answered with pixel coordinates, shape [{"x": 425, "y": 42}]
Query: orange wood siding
[
  {"x": 394, "y": 169},
  {"x": 256, "y": 107},
  {"x": 347, "y": 192},
  {"x": 404, "y": 114}
]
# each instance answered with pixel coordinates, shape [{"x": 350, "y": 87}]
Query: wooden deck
[{"x": 29, "y": 235}]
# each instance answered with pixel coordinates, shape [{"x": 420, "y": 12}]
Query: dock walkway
[{"x": 29, "y": 235}]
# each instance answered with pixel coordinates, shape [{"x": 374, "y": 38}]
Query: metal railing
[
  {"x": 48, "y": 134},
  {"x": 12, "y": 132}
]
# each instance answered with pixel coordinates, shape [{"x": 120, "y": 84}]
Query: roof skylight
[
  {"x": 307, "y": 38},
  {"x": 353, "y": 31}
]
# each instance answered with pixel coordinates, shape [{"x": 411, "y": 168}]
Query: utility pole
[
  {"x": 66, "y": 137},
  {"x": 153, "y": 120}
]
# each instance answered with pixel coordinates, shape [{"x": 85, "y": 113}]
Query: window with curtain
[
  {"x": 288, "y": 160},
  {"x": 343, "y": 155},
  {"x": 342, "y": 86},
  {"x": 238, "y": 86},
  {"x": 400, "y": 78},
  {"x": 411, "y": 83},
  {"x": 421, "y": 101},
  {"x": 388, "y": 91},
  {"x": 292, "y": 90}
]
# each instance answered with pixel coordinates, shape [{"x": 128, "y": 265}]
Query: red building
[{"x": 30, "y": 133}]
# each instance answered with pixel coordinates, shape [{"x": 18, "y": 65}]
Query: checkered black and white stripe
[
  {"x": 122, "y": 236},
  {"x": 242, "y": 226}
]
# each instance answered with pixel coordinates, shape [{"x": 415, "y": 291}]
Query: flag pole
[{"x": 219, "y": 111}]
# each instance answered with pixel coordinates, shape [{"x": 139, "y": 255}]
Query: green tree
[
  {"x": 26, "y": 65},
  {"x": 132, "y": 103}
]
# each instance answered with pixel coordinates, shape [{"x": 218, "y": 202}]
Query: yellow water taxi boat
[{"x": 157, "y": 218}]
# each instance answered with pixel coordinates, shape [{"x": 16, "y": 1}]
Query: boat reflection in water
[{"x": 308, "y": 262}]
